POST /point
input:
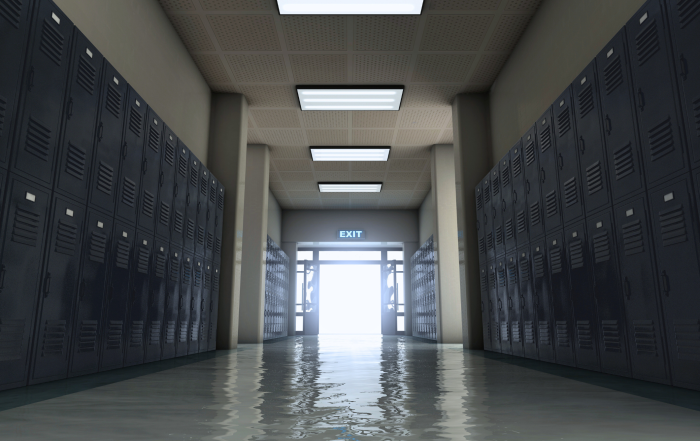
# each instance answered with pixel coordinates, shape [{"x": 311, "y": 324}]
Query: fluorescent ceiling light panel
[
  {"x": 350, "y": 153},
  {"x": 350, "y": 187},
  {"x": 350, "y": 7},
  {"x": 350, "y": 98}
]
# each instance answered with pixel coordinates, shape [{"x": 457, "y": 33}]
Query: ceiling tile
[
  {"x": 301, "y": 204},
  {"x": 385, "y": 32},
  {"x": 250, "y": 123},
  {"x": 417, "y": 137},
  {"x": 332, "y": 176},
  {"x": 359, "y": 166},
  {"x": 332, "y": 119},
  {"x": 282, "y": 137},
  {"x": 311, "y": 69},
  {"x": 327, "y": 137},
  {"x": 464, "y": 5},
  {"x": 522, "y": 5},
  {"x": 446, "y": 137},
  {"x": 455, "y": 32},
  {"x": 335, "y": 196},
  {"x": 276, "y": 187},
  {"x": 395, "y": 194},
  {"x": 363, "y": 203},
  {"x": 303, "y": 194},
  {"x": 377, "y": 137},
  {"x": 406, "y": 165},
  {"x": 331, "y": 166},
  {"x": 296, "y": 176},
  {"x": 414, "y": 118},
  {"x": 381, "y": 69},
  {"x": 315, "y": 32},
  {"x": 442, "y": 68},
  {"x": 301, "y": 186},
  {"x": 258, "y": 68},
  {"x": 508, "y": 31},
  {"x": 254, "y": 137},
  {"x": 212, "y": 68},
  {"x": 364, "y": 196},
  {"x": 237, "y": 5},
  {"x": 274, "y": 176},
  {"x": 374, "y": 119},
  {"x": 403, "y": 176},
  {"x": 290, "y": 152},
  {"x": 245, "y": 32},
  {"x": 422, "y": 186},
  {"x": 177, "y": 5},
  {"x": 336, "y": 204},
  {"x": 268, "y": 118},
  {"x": 191, "y": 30},
  {"x": 417, "y": 152},
  {"x": 224, "y": 88},
  {"x": 488, "y": 68},
  {"x": 430, "y": 96},
  {"x": 367, "y": 176},
  {"x": 285, "y": 204},
  {"x": 425, "y": 176},
  {"x": 292, "y": 165},
  {"x": 271, "y": 96},
  {"x": 407, "y": 186}
]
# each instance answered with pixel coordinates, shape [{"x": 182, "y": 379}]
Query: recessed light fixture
[
  {"x": 350, "y": 153},
  {"x": 350, "y": 97},
  {"x": 350, "y": 187},
  {"x": 350, "y": 7}
]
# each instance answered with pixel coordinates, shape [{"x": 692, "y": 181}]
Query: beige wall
[
  {"x": 274, "y": 219},
  {"x": 563, "y": 37},
  {"x": 138, "y": 39},
  {"x": 426, "y": 219}
]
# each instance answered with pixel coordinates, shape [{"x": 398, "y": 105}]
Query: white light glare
[
  {"x": 317, "y": 100},
  {"x": 350, "y": 7},
  {"x": 350, "y": 188},
  {"x": 345, "y": 154},
  {"x": 350, "y": 92}
]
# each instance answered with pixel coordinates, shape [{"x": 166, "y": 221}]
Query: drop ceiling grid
[{"x": 290, "y": 50}]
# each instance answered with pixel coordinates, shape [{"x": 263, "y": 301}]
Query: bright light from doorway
[{"x": 350, "y": 299}]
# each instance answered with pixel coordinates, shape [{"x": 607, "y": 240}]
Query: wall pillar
[
  {"x": 409, "y": 249},
  {"x": 290, "y": 248}
]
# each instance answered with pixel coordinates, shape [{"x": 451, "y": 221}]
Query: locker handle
[
  {"x": 47, "y": 284},
  {"x": 208, "y": 215},
  {"x": 188, "y": 199},
  {"x": 684, "y": 67},
  {"x": 199, "y": 207},
  {"x": 561, "y": 162},
  {"x": 628, "y": 292},
  {"x": 192, "y": 304},
  {"x": 175, "y": 190},
  {"x": 81, "y": 292},
  {"x": 30, "y": 84},
  {"x": 527, "y": 186},
  {"x": 503, "y": 204},
  {"x": 510, "y": 303},
  {"x": 125, "y": 149},
  {"x": 515, "y": 196},
  {"x": 161, "y": 179},
  {"x": 145, "y": 165},
  {"x": 490, "y": 305},
  {"x": 500, "y": 305},
  {"x": 542, "y": 175},
  {"x": 486, "y": 219},
  {"x": 642, "y": 103},
  {"x": 180, "y": 304},
  {"x": 70, "y": 109},
  {"x": 203, "y": 306},
  {"x": 2, "y": 277},
  {"x": 582, "y": 145},
  {"x": 99, "y": 132},
  {"x": 133, "y": 296},
  {"x": 666, "y": 284},
  {"x": 211, "y": 305},
  {"x": 608, "y": 124}
]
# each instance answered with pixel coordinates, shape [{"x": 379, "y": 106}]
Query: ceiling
[{"x": 454, "y": 46}]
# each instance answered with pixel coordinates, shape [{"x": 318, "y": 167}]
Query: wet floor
[{"x": 353, "y": 388}]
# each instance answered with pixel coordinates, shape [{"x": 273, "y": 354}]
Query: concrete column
[
  {"x": 291, "y": 249},
  {"x": 228, "y": 136},
  {"x": 253, "y": 269},
  {"x": 409, "y": 249},
  {"x": 472, "y": 161}
]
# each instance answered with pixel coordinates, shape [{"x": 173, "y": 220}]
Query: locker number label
[
  {"x": 668, "y": 197},
  {"x": 30, "y": 197},
  {"x": 644, "y": 18},
  {"x": 124, "y": 234},
  {"x": 100, "y": 225},
  {"x": 145, "y": 242},
  {"x": 88, "y": 52},
  {"x": 55, "y": 18},
  {"x": 599, "y": 225},
  {"x": 116, "y": 81},
  {"x": 610, "y": 52},
  {"x": 629, "y": 212},
  {"x": 69, "y": 212}
]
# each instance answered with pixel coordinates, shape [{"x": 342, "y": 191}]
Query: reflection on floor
[{"x": 351, "y": 388}]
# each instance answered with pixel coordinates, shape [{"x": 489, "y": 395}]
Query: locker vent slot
[
  {"x": 517, "y": 166},
  {"x": 154, "y": 139},
  {"x": 54, "y": 338},
  {"x": 104, "y": 178},
  {"x": 495, "y": 186},
  {"x": 154, "y": 335},
  {"x": 216, "y": 282},
  {"x": 601, "y": 247},
  {"x": 75, "y": 161},
  {"x": 555, "y": 260},
  {"x": 207, "y": 280},
  {"x": 51, "y": 42},
  {"x": 505, "y": 335},
  {"x": 535, "y": 214},
  {"x": 647, "y": 42},
  {"x": 524, "y": 270},
  {"x": 551, "y": 203},
  {"x": 487, "y": 193},
  {"x": 672, "y": 223},
  {"x": 38, "y": 140},
  {"x": 123, "y": 248},
  {"x": 585, "y": 100},
  {"x": 136, "y": 337},
  {"x": 194, "y": 177},
  {"x": 489, "y": 240},
  {"x": 696, "y": 109},
  {"x": 202, "y": 327},
  {"x": 522, "y": 223},
  {"x": 687, "y": 339},
  {"x": 170, "y": 332},
  {"x": 87, "y": 75},
  {"x": 142, "y": 265},
  {"x": 66, "y": 238},
  {"x": 570, "y": 192},
  {"x": 613, "y": 75},
  {"x": 661, "y": 140},
  {"x": 688, "y": 10},
  {"x": 545, "y": 337},
  {"x": 538, "y": 261},
  {"x": 179, "y": 222},
  {"x": 169, "y": 153},
  {"x": 563, "y": 122},
  {"x": 187, "y": 273},
  {"x": 190, "y": 229},
  {"x": 212, "y": 194},
  {"x": 505, "y": 174},
  {"x": 501, "y": 273},
  {"x": 203, "y": 185},
  {"x": 611, "y": 336},
  {"x": 512, "y": 274},
  {"x": 594, "y": 177},
  {"x": 484, "y": 282},
  {"x": 509, "y": 229},
  {"x": 624, "y": 162},
  {"x": 3, "y": 110},
  {"x": 114, "y": 334},
  {"x": 529, "y": 332},
  {"x": 161, "y": 260},
  {"x": 149, "y": 202},
  {"x": 632, "y": 238},
  {"x": 164, "y": 217},
  {"x": 562, "y": 335},
  {"x": 645, "y": 337},
  {"x": 529, "y": 153},
  {"x": 482, "y": 246},
  {"x": 11, "y": 337},
  {"x": 197, "y": 277},
  {"x": 492, "y": 279},
  {"x": 98, "y": 247},
  {"x": 194, "y": 331},
  {"x": 497, "y": 331},
  {"x": 174, "y": 269},
  {"x": 182, "y": 167},
  {"x": 515, "y": 331},
  {"x": 128, "y": 192},
  {"x": 182, "y": 337},
  {"x": 200, "y": 235},
  {"x": 585, "y": 338},
  {"x": 217, "y": 249},
  {"x": 211, "y": 330},
  {"x": 545, "y": 139},
  {"x": 114, "y": 101},
  {"x": 210, "y": 242},
  {"x": 26, "y": 227},
  {"x": 11, "y": 10},
  {"x": 499, "y": 235},
  {"x": 135, "y": 121},
  {"x": 576, "y": 253},
  {"x": 87, "y": 339}
]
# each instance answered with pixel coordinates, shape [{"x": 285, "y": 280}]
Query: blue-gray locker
[
  {"x": 156, "y": 301},
  {"x": 36, "y": 143},
  {"x": 195, "y": 305},
  {"x": 567, "y": 158},
  {"x": 497, "y": 212},
  {"x": 204, "y": 305},
  {"x": 171, "y": 304},
  {"x": 219, "y": 222},
  {"x": 166, "y": 184},
  {"x": 139, "y": 299},
  {"x": 200, "y": 243},
  {"x": 550, "y": 257},
  {"x": 214, "y": 307},
  {"x": 535, "y": 213},
  {"x": 509, "y": 242},
  {"x": 486, "y": 306},
  {"x": 489, "y": 241},
  {"x": 184, "y": 304},
  {"x": 535, "y": 257},
  {"x": 514, "y": 305},
  {"x": 191, "y": 200},
  {"x": 495, "y": 307},
  {"x": 549, "y": 181},
  {"x": 481, "y": 242},
  {"x": 177, "y": 226},
  {"x": 503, "y": 305},
  {"x": 211, "y": 217},
  {"x": 527, "y": 302},
  {"x": 92, "y": 290},
  {"x": 519, "y": 195},
  {"x": 150, "y": 171},
  {"x": 56, "y": 295},
  {"x": 130, "y": 164}
]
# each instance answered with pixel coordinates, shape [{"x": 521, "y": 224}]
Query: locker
[
  {"x": 486, "y": 306},
  {"x": 166, "y": 184},
  {"x": 211, "y": 217},
  {"x": 527, "y": 303},
  {"x": 683, "y": 15},
  {"x": 497, "y": 212},
  {"x": 195, "y": 306},
  {"x": 606, "y": 292},
  {"x": 648, "y": 353},
  {"x": 535, "y": 257},
  {"x": 130, "y": 162},
  {"x": 549, "y": 184},
  {"x": 139, "y": 299},
  {"x": 514, "y": 305},
  {"x": 582, "y": 296},
  {"x": 177, "y": 226},
  {"x": 489, "y": 241},
  {"x": 200, "y": 244},
  {"x": 619, "y": 120},
  {"x": 678, "y": 272},
  {"x": 108, "y": 140},
  {"x": 507, "y": 203},
  {"x": 14, "y": 37},
  {"x": 82, "y": 104},
  {"x": 519, "y": 195},
  {"x": 502, "y": 304},
  {"x": 184, "y": 304},
  {"x": 171, "y": 303},
  {"x": 219, "y": 223},
  {"x": 92, "y": 290},
  {"x": 150, "y": 171},
  {"x": 214, "y": 307},
  {"x": 191, "y": 200},
  {"x": 663, "y": 145},
  {"x": 535, "y": 213},
  {"x": 565, "y": 133},
  {"x": 36, "y": 144},
  {"x": 495, "y": 308},
  {"x": 58, "y": 286},
  {"x": 551, "y": 265},
  {"x": 591, "y": 150},
  {"x": 20, "y": 275},
  {"x": 204, "y": 305},
  {"x": 479, "y": 201},
  {"x": 114, "y": 324},
  {"x": 156, "y": 302}
]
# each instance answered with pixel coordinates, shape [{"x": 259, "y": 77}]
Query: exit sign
[{"x": 351, "y": 234}]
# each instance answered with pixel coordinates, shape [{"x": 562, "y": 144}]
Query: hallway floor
[{"x": 349, "y": 388}]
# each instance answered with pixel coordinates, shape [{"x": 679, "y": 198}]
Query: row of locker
[
  {"x": 587, "y": 228},
  {"x": 276, "y": 292},
  {"x": 424, "y": 305}
]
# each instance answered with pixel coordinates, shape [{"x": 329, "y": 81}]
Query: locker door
[
  {"x": 139, "y": 299},
  {"x": 663, "y": 146},
  {"x": 57, "y": 292},
  {"x": 177, "y": 227},
  {"x": 200, "y": 244},
  {"x": 184, "y": 304},
  {"x": 607, "y": 290},
  {"x": 108, "y": 140},
  {"x": 507, "y": 203},
  {"x": 488, "y": 219},
  {"x": 130, "y": 163},
  {"x": 567, "y": 161},
  {"x": 591, "y": 150},
  {"x": 156, "y": 302},
  {"x": 585, "y": 318},
  {"x": 191, "y": 202},
  {"x": 495, "y": 309},
  {"x": 679, "y": 276},
  {"x": 204, "y": 305},
  {"x": 15, "y": 22},
  {"x": 118, "y": 289},
  {"x": 519, "y": 195},
  {"x": 211, "y": 217},
  {"x": 219, "y": 223},
  {"x": 535, "y": 213},
  {"x": 195, "y": 305},
  {"x": 527, "y": 303},
  {"x": 486, "y": 306},
  {"x": 619, "y": 121},
  {"x": 542, "y": 299},
  {"x": 549, "y": 186},
  {"x": 166, "y": 185},
  {"x": 503, "y": 304},
  {"x": 497, "y": 212},
  {"x": 48, "y": 60},
  {"x": 97, "y": 242},
  {"x": 639, "y": 288},
  {"x": 684, "y": 20},
  {"x": 214, "y": 307},
  {"x": 150, "y": 172},
  {"x": 20, "y": 278},
  {"x": 514, "y": 305},
  {"x": 556, "y": 268},
  {"x": 172, "y": 298}
]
